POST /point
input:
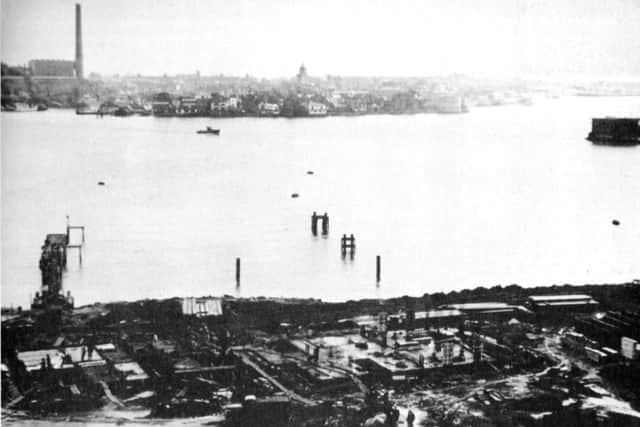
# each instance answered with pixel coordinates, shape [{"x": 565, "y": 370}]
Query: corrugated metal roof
[
  {"x": 479, "y": 306},
  {"x": 569, "y": 297},
  {"x": 438, "y": 313},
  {"x": 202, "y": 306},
  {"x": 566, "y": 303}
]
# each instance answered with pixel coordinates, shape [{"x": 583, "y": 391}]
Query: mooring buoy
[{"x": 615, "y": 222}]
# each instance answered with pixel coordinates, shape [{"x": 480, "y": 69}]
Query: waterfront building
[
  {"x": 162, "y": 108},
  {"x": 546, "y": 306},
  {"x": 489, "y": 310},
  {"x": 187, "y": 107},
  {"x": 162, "y": 105},
  {"x": 316, "y": 109},
  {"x": 338, "y": 101},
  {"x": 450, "y": 104},
  {"x": 404, "y": 102},
  {"x": 231, "y": 104},
  {"x": 349, "y": 101},
  {"x": 268, "y": 109}
]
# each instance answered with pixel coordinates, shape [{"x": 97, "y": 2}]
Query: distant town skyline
[{"x": 501, "y": 38}]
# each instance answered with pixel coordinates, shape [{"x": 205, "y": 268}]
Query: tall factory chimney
[{"x": 79, "y": 67}]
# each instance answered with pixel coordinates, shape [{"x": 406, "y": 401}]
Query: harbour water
[{"x": 501, "y": 195}]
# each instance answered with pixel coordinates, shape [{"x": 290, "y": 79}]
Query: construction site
[{"x": 509, "y": 356}]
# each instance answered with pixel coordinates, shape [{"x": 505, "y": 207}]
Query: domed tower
[{"x": 302, "y": 74}]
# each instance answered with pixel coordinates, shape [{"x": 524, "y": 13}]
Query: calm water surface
[{"x": 498, "y": 196}]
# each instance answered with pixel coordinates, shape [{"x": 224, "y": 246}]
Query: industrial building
[
  {"x": 390, "y": 355},
  {"x": 410, "y": 319},
  {"x": 629, "y": 348},
  {"x": 207, "y": 306},
  {"x": 60, "y": 358},
  {"x": 609, "y": 329},
  {"x": 52, "y": 68},
  {"x": 489, "y": 310},
  {"x": 561, "y": 306},
  {"x": 60, "y": 68}
]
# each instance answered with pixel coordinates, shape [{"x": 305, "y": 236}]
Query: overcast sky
[{"x": 270, "y": 38}]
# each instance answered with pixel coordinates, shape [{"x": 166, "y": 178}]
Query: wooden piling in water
[
  {"x": 325, "y": 224},
  {"x": 238, "y": 271},
  {"x": 348, "y": 243},
  {"x": 378, "y": 268},
  {"x": 314, "y": 224}
]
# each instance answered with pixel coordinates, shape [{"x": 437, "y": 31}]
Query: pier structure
[
  {"x": 53, "y": 260},
  {"x": 75, "y": 245},
  {"x": 348, "y": 244},
  {"x": 314, "y": 223}
]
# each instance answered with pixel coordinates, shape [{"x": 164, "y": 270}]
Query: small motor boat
[{"x": 210, "y": 130}]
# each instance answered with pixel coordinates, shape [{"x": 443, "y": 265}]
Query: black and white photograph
[{"x": 320, "y": 213}]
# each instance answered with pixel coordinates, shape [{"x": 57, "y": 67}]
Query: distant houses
[
  {"x": 306, "y": 96},
  {"x": 267, "y": 109},
  {"x": 316, "y": 109},
  {"x": 295, "y": 104},
  {"x": 162, "y": 105},
  {"x": 226, "y": 106}
]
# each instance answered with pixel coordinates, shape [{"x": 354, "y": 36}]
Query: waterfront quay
[{"x": 502, "y": 355}]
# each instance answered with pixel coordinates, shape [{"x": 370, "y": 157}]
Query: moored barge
[{"x": 615, "y": 131}]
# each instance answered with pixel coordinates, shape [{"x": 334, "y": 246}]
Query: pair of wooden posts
[
  {"x": 325, "y": 223},
  {"x": 348, "y": 244},
  {"x": 378, "y": 270}
]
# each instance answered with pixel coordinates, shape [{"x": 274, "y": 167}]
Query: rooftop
[
  {"x": 566, "y": 303},
  {"x": 480, "y": 306},
  {"x": 132, "y": 370},
  {"x": 202, "y": 306},
  {"x": 432, "y": 314},
  {"x": 79, "y": 355},
  {"x": 569, "y": 297}
]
